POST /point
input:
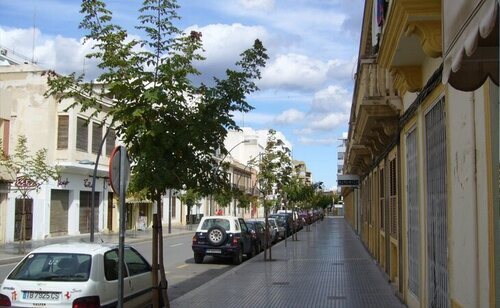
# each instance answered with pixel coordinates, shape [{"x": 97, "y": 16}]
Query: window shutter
[
  {"x": 110, "y": 141},
  {"x": 62, "y": 132},
  {"x": 82, "y": 135},
  {"x": 96, "y": 137}
]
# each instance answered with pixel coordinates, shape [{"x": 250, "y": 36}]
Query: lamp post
[{"x": 228, "y": 152}]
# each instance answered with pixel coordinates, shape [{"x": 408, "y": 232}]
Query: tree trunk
[
  {"x": 163, "y": 281},
  {"x": 154, "y": 257}
]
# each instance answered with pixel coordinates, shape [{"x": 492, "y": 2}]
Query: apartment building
[
  {"x": 423, "y": 140},
  {"x": 59, "y": 207}
]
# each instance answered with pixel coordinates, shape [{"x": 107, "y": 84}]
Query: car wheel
[
  {"x": 216, "y": 235},
  {"x": 238, "y": 257},
  {"x": 251, "y": 253},
  {"x": 198, "y": 258}
]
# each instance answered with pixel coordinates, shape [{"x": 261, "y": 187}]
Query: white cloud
[
  {"x": 329, "y": 121},
  {"x": 334, "y": 97},
  {"x": 255, "y": 118},
  {"x": 294, "y": 71},
  {"x": 318, "y": 141},
  {"x": 257, "y": 4},
  {"x": 290, "y": 116}
]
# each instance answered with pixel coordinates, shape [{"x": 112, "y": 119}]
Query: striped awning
[{"x": 470, "y": 43}]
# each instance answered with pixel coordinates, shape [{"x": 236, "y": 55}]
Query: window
[
  {"x": 212, "y": 222},
  {"x": 135, "y": 263},
  {"x": 96, "y": 137},
  {"x": 111, "y": 265},
  {"x": 62, "y": 132},
  {"x": 110, "y": 141},
  {"x": 82, "y": 135},
  {"x": 340, "y": 155}
]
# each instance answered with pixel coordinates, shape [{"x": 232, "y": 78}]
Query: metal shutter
[
  {"x": 413, "y": 214},
  {"x": 437, "y": 236},
  {"x": 393, "y": 199},
  {"x": 85, "y": 205},
  {"x": 59, "y": 205}
]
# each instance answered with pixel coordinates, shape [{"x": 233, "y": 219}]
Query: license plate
[
  {"x": 41, "y": 295},
  {"x": 213, "y": 251}
]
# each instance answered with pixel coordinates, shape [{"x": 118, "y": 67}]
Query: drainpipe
[{"x": 476, "y": 213}]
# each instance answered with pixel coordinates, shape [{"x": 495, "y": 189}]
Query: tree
[
  {"x": 274, "y": 167},
  {"x": 170, "y": 126},
  {"x": 190, "y": 198},
  {"x": 29, "y": 172}
]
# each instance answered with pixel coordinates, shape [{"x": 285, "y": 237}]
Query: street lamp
[{"x": 94, "y": 176}]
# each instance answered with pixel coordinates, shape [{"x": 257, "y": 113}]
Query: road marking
[
  {"x": 182, "y": 266},
  {"x": 179, "y": 244}
]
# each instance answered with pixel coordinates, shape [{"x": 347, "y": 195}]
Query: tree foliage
[
  {"x": 170, "y": 126},
  {"x": 28, "y": 170}
]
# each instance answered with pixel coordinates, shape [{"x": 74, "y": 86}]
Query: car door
[
  {"x": 245, "y": 236},
  {"x": 108, "y": 293},
  {"x": 139, "y": 281}
]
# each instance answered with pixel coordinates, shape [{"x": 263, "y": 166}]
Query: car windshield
[
  {"x": 53, "y": 267},
  {"x": 212, "y": 222}
]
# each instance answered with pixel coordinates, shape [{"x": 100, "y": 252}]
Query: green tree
[
  {"x": 170, "y": 126},
  {"x": 30, "y": 172},
  {"x": 275, "y": 167},
  {"x": 190, "y": 199}
]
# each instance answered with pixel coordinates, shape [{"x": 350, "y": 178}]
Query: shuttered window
[
  {"x": 110, "y": 141},
  {"x": 82, "y": 135},
  {"x": 437, "y": 235},
  {"x": 393, "y": 198},
  {"x": 413, "y": 214},
  {"x": 96, "y": 137},
  {"x": 62, "y": 132},
  {"x": 381, "y": 198}
]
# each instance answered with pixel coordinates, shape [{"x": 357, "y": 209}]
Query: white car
[{"x": 77, "y": 275}]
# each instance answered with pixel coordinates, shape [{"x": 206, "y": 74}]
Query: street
[{"x": 183, "y": 274}]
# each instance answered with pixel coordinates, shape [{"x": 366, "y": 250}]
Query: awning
[{"x": 470, "y": 43}]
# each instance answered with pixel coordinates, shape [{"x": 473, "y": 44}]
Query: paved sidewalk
[
  {"x": 327, "y": 267},
  {"x": 11, "y": 252}
]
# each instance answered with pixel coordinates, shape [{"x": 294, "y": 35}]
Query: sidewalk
[
  {"x": 327, "y": 267},
  {"x": 10, "y": 252}
]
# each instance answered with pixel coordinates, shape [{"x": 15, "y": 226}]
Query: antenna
[{"x": 33, "y": 41}]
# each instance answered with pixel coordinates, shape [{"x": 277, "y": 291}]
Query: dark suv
[{"x": 222, "y": 236}]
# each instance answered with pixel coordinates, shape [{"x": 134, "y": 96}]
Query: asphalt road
[{"x": 183, "y": 274}]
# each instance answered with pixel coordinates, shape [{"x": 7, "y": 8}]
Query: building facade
[
  {"x": 423, "y": 139},
  {"x": 61, "y": 207}
]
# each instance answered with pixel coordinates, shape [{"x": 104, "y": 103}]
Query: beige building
[
  {"x": 424, "y": 140},
  {"x": 60, "y": 207}
]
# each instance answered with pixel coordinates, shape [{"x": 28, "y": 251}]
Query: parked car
[
  {"x": 258, "y": 234},
  {"x": 222, "y": 236},
  {"x": 77, "y": 275},
  {"x": 273, "y": 226},
  {"x": 286, "y": 221}
]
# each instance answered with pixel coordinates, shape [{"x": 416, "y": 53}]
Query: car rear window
[
  {"x": 212, "y": 222},
  {"x": 53, "y": 267}
]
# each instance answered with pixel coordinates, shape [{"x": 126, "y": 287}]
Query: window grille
[
  {"x": 437, "y": 236},
  {"x": 413, "y": 214}
]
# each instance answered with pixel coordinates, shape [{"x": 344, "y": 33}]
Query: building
[
  {"x": 423, "y": 139},
  {"x": 61, "y": 207}
]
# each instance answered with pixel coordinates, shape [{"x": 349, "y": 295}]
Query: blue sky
[{"x": 306, "y": 89}]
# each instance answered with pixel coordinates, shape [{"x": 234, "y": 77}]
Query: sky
[{"x": 306, "y": 86}]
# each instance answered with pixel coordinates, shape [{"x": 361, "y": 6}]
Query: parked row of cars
[{"x": 232, "y": 237}]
